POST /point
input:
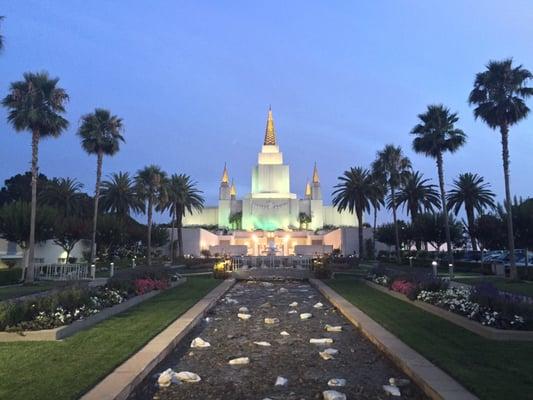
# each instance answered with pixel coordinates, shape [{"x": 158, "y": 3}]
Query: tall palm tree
[
  {"x": 436, "y": 134},
  {"x": 417, "y": 195},
  {"x": 499, "y": 95},
  {"x": 393, "y": 166},
  {"x": 182, "y": 197},
  {"x": 357, "y": 192},
  {"x": 471, "y": 192},
  {"x": 63, "y": 194},
  {"x": 1, "y": 37},
  {"x": 101, "y": 134},
  {"x": 378, "y": 200},
  {"x": 35, "y": 104},
  {"x": 150, "y": 186},
  {"x": 119, "y": 195}
]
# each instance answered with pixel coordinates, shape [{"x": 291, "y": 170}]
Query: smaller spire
[
  {"x": 225, "y": 176},
  {"x": 270, "y": 131},
  {"x": 233, "y": 191},
  {"x": 308, "y": 189},
  {"x": 315, "y": 175}
]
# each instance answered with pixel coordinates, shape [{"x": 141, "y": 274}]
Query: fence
[{"x": 62, "y": 272}]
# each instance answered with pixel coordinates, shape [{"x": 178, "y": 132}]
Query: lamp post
[
  {"x": 111, "y": 270},
  {"x": 93, "y": 271},
  {"x": 434, "y": 264}
]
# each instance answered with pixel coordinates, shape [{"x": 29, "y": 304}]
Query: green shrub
[{"x": 10, "y": 276}]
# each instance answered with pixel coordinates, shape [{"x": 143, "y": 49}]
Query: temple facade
[{"x": 271, "y": 219}]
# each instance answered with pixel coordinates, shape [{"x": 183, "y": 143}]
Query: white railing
[
  {"x": 301, "y": 262},
  {"x": 62, "y": 272}
]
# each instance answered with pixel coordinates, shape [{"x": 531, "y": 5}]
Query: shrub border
[
  {"x": 473, "y": 326},
  {"x": 63, "y": 332}
]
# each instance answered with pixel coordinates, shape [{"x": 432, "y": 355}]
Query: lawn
[
  {"x": 67, "y": 369},
  {"x": 490, "y": 369},
  {"x": 520, "y": 287},
  {"x": 10, "y": 292}
]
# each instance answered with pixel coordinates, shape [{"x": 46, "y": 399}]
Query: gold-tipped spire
[
  {"x": 233, "y": 191},
  {"x": 225, "y": 177},
  {"x": 307, "y": 189},
  {"x": 315, "y": 175},
  {"x": 270, "y": 131}
]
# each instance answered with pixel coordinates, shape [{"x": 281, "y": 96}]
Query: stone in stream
[
  {"x": 264, "y": 344},
  {"x": 165, "y": 378},
  {"x": 336, "y": 382},
  {"x": 325, "y": 356},
  {"x": 331, "y": 328},
  {"x": 199, "y": 343},
  {"x": 292, "y": 312},
  {"x": 293, "y": 304},
  {"x": 265, "y": 305},
  {"x": 333, "y": 395},
  {"x": 282, "y": 290},
  {"x": 271, "y": 321},
  {"x": 399, "y": 382},
  {"x": 281, "y": 381},
  {"x": 331, "y": 351},
  {"x": 239, "y": 361},
  {"x": 244, "y": 317},
  {"x": 321, "y": 341},
  {"x": 284, "y": 333},
  {"x": 318, "y": 305},
  {"x": 305, "y": 316},
  {"x": 392, "y": 390},
  {"x": 186, "y": 376},
  {"x": 244, "y": 310}
]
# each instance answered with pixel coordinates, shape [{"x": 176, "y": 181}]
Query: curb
[
  {"x": 120, "y": 383},
  {"x": 432, "y": 380}
]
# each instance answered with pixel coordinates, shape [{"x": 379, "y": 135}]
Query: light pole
[{"x": 434, "y": 264}]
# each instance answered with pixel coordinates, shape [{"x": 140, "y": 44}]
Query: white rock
[
  {"x": 244, "y": 316},
  {"x": 165, "y": 378},
  {"x": 293, "y": 304},
  {"x": 270, "y": 321},
  {"x": 265, "y": 344},
  {"x": 325, "y": 356},
  {"x": 392, "y": 390},
  {"x": 292, "y": 312},
  {"x": 331, "y": 328},
  {"x": 311, "y": 296},
  {"x": 281, "y": 381},
  {"x": 305, "y": 316},
  {"x": 239, "y": 361},
  {"x": 318, "y": 305},
  {"x": 186, "y": 376},
  {"x": 321, "y": 341},
  {"x": 336, "y": 382},
  {"x": 331, "y": 351},
  {"x": 284, "y": 333},
  {"x": 399, "y": 382},
  {"x": 199, "y": 343},
  {"x": 333, "y": 395},
  {"x": 267, "y": 284},
  {"x": 282, "y": 290},
  {"x": 244, "y": 310},
  {"x": 207, "y": 319}
]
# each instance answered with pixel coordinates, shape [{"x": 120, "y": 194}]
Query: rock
[
  {"x": 267, "y": 284},
  {"x": 244, "y": 310},
  {"x": 336, "y": 382},
  {"x": 321, "y": 341},
  {"x": 282, "y": 290},
  {"x": 199, "y": 343},
  {"x": 191, "y": 353},
  {"x": 265, "y": 305},
  {"x": 189, "y": 377},
  {"x": 325, "y": 356},
  {"x": 292, "y": 312},
  {"x": 281, "y": 381},
  {"x": 293, "y": 304},
  {"x": 305, "y": 316},
  {"x": 165, "y": 378},
  {"x": 207, "y": 319},
  {"x": 284, "y": 333},
  {"x": 331, "y": 351},
  {"x": 392, "y": 390},
  {"x": 265, "y": 344},
  {"x": 318, "y": 305},
  {"x": 333, "y": 395},
  {"x": 331, "y": 328},
  {"x": 244, "y": 317},
  {"x": 311, "y": 296},
  {"x": 239, "y": 361},
  {"x": 270, "y": 321},
  {"x": 399, "y": 382}
]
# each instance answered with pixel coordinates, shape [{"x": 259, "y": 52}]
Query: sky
[{"x": 193, "y": 82}]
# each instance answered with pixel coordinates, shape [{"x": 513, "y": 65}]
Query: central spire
[{"x": 270, "y": 131}]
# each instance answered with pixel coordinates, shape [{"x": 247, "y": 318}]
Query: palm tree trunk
[
  {"x": 396, "y": 233},
  {"x": 470, "y": 220},
  {"x": 374, "y": 231},
  {"x": 172, "y": 258},
  {"x": 99, "y": 161},
  {"x": 149, "y": 234},
  {"x": 180, "y": 234},
  {"x": 510, "y": 231},
  {"x": 418, "y": 241},
  {"x": 30, "y": 272},
  {"x": 360, "y": 232},
  {"x": 440, "y": 169}
]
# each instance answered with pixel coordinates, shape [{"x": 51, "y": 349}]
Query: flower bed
[{"x": 483, "y": 303}]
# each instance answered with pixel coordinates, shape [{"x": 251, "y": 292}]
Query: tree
[
  {"x": 118, "y": 237},
  {"x": 355, "y": 192},
  {"x": 100, "y": 134},
  {"x": 436, "y": 134},
  {"x": 1, "y": 37},
  {"x": 523, "y": 223},
  {"x": 393, "y": 167},
  {"x": 235, "y": 219},
  {"x": 63, "y": 194},
  {"x": 380, "y": 186},
  {"x": 470, "y": 191},
  {"x": 430, "y": 227},
  {"x": 150, "y": 187},
  {"x": 417, "y": 196},
  {"x": 35, "y": 104},
  {"x": 386, "y": 233},
  {"x": 304, "y": 219},
  {"x": 182, "y": 197},
  {"x": 119, "y": 195},
  {"x": 18, "y": 188},
  {"x": 68, "y": 231},
  {"x": 490, "y": 231},
  {"x": 499, "y": 96}
]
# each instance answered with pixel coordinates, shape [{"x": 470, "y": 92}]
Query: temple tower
[{"x": 224, "y": 200}]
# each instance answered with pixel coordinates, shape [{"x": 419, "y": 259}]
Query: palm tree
[
  {"x": 416, "y": 196},
  {"x": 35, "y": 104},
  {"x": 119, "y": 195},
  {"x": 436, "y": 134},
  {"x": 64, "y": 194},
  {"x": 470, "y": 191},
  {"x": 357, "y": 192},
  {"x": 150, "y": 187},
  {"x": 100, "y": 134},
  {"x": 379, "y": 199},
  {"x": 393, "y": 167},
  {"x": 1, "y": 37},
  {"x": 182, "y": 197},
  {"x": 499, "y": 95}
]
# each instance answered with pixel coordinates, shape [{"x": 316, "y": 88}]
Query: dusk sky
[{"x": 193, "y": 82}]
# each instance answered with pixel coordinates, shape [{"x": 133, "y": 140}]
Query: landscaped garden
[{"x": 66, "y": 369}]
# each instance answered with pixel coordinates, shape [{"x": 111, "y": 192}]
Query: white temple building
[{"x": 271, "y": 219}]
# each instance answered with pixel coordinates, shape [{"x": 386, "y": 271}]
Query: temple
[{"x": 270, "y": 219}]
